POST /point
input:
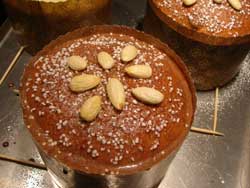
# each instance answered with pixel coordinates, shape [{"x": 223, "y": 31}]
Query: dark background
[{"x": 2, "y": 13}]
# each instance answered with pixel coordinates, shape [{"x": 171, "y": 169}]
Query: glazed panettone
[
  {"x": 37, "y": 22},
  {"x": 107, "y": 99},
  {"x": 207, "y": 21},
  {"x": 212, "y": 37}
]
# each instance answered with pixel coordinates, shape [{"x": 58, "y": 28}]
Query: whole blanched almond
[
  {"x": 148, "y": 95},
  {"x": 129, "y": 53},
  {"x": 84, "y": 82},
  {"x": 105, "y": 60},
  {"x": 189, "y": 2},
  {"x": 218, "y": 1},
  {"x": 91, "y": 108},
  {"x": 116, "y": 93},
  {"x": 236, "y": 4},
  {"x": 77, "y": 63},
  {"x": 139, "y": 71}
]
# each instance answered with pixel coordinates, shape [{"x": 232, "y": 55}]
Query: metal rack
[{"x": 204, "y": 161}]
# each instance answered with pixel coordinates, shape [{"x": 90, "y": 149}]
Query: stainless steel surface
[{"x": 203, "y": 161}]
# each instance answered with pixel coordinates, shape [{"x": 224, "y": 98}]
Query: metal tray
[{"x": 204, "y": 161}]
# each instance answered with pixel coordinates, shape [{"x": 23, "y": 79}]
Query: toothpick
[
  {"x": 13, "y": 62},
  {"x": 16, "y": 91},
  {"x": 23, "y": 162},
  {"x": 216, "y": 100},
  {"x": 206, "y": 131}
]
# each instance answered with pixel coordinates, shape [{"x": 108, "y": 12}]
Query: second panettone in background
[
  {"x": 212, "y": 38},
  {"x": 38, "y": 22}
]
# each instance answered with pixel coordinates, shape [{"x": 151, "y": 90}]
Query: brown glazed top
[
  {"x": 116, "y": 142},
  {"x": 206, "y": 21}
]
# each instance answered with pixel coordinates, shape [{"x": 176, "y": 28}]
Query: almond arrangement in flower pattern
[{"x": 114, "y": 88}]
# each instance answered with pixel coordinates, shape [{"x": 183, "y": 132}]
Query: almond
[
  {"x": 129, "y": 53},
  {"x": 77, "y": 63},
  {"x": 139, "y": 71},
  {"x": 116, "y": 93},
  {"x": 91, "y": 108},
  {"x": 148, "y": 95},
  {"x": 189, "y": 2},
  {"x": 235, "y": 4},
  {"x": 218, "y": 1},
  {"x": 105, "y": 60},
  {"x": 84, "y": 82}
]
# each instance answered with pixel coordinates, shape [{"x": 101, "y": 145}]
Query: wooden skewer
[
  {"x": 216, "y": 100},
  {"x": 23, "y": 162},
  {"x": 206, "y": 131},
  {"x": 16, "y": 91},
  {"x": 13, "y": 62}
]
